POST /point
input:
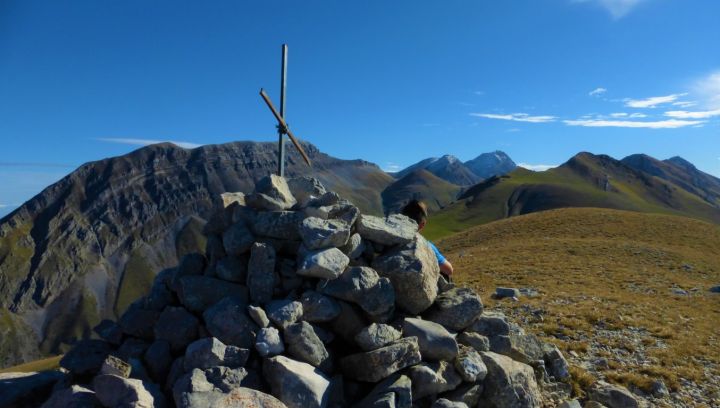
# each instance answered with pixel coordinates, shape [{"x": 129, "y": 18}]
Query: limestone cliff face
[{"x": 86, "y": 246}]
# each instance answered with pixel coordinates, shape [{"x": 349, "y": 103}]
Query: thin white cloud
[
  {"x": 146, "y": 142},
  {"x": 392, "y": 167},
  {"x": 684, "y": 104},
  {"x": 661, "y": 124},
  {"x": 652, "y": 102},
  {"x": 637, "y": 115},
  {"x": 693, "y": 115},
  {"x": 617, "y": 8},
  {"x": 4, "y": 205},
  {"x": 619, "y": 115},
  {"x": 708, "y": 89},
  {"x": 517, "y": 117},
  {"x": 597, "y": 92},
  {"x": 537, "y": 167}
]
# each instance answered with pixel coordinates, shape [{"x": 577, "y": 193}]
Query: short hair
[{"x": 417, "y": 210}]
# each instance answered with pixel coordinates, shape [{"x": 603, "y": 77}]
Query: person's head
[{"x": 417, "y": 210}]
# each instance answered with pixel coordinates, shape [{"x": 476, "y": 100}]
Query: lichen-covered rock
[
  {"x": 204, "y": 353},
  {"x": 272, "y": 194},
  {"x": 354, "y": 247},
  {"x": 373, "y": 366},
  {"x": 509, "y": 383},
  {"x": 456, "y": 308},
  {"x": 375, "y": 336},
  {"x": 324, "y": 264},
  {"x": 436, "y": 343},
  {"x": 318, "y": 308},
  {"x": 115, "y": 366},
  {"x": 228, "y": 321},
  {"x": 296, "y": 384},
  {"x": 304, "y": 189},
  {"x": 257, "y": 314},
  {"x": 284, "y": 312},
  {"x": 432, "y": 378},
  {"x": 468, "y": 393},
  {"x": 490, "y": 324},
  {"x": 304, "y": 345},
  {"x": 281, "y": 225},
  {"x": 413, "y": 271},
  {"x": 261, "y": 279},
  {"x": 394, "y": 391},
  {"x": 469, "y": 365},
  {"x": 395, "y": 229}
]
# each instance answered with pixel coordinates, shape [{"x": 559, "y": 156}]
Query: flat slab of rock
[
  {"x": 456, "y": 308},
  {"x": 432, "y": 378},
  {"x": 612, "y": 396},
  {"x": 491, "y": 324},
  {"x": 435, "y": 342},
  {"x": 296, "y": 384},
  {"x": 509, "y": 383},
  {"x": 324, "y": 264},
  {"x": 373, "y": 366},
  {"x": 284, "y": 312},
  {"x": 501, "y": 293},
  {"x": 114, "y": 391},
  {"x": 394, "y": 391},
  {"x": 317, "y": 233},
  {"x": 197, "y": 292},
  {"x": 261, "y": 279},
  {"x": 413, "y": 271},
  {"x": 227, "y": 320},
  {"x": 395, "y": 229},
  {"x": 375, "y": 336}
]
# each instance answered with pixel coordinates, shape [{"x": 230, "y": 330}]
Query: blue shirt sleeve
[{"x": 440, "y": 257}]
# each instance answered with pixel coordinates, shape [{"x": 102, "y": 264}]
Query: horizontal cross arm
[{"x": 284, "y": 126}]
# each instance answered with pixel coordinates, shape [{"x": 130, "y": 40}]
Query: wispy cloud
[
  {"x": 537, "y": 167},
  {"x": 693, "y": 115},
  {"x": 4, "y": 205},
  {"x": 684, "y": 104},
  {"x": 616, "y": 8},
  {"x": 597, "y": 92},
  {"x": 146, "y": 142},
  {"x": 652, "y": 102},
  {"x": 708, "y": 89},
  {"x": 660, "y": 124},
  {"x": 391, "y": 167},
  {"x": 517, "y": 117}
]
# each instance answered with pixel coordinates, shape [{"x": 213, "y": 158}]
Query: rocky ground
[{"x": 301, "y": 301}]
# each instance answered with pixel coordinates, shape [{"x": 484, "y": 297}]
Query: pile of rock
[{"x": 301, "y": 301}]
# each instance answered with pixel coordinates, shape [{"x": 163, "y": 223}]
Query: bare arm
[{"x": 446, "y": 268}]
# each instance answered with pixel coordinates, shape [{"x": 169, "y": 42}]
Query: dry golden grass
[
  {"x": 45, "y": 364},
  {"x": 601, "y": 274}
]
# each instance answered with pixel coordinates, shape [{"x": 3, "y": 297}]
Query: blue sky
[{"x": 391, "y": 82}]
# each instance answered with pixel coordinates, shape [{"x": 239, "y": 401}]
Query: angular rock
[
  {"x": 158, "y": 360},
  {"x": 177, "y": 326},
  {"x": 237, "y": 239},
  {"x": 501, "y": 293},
  {"x": 284, "y": 312},
  {"x": 114, "y": 391},
  {"x": 235, "y": 356},
  {"x": 375, "y": 336},
  {"x": 318, "y": 308},
  {"x": 237, "y": 398},
  {"x": 204, "y": 353},
  {"x": 86, "y": 357},
  {"x": 456, "y": 308},
  {"x": 467, "y": 393},
  {"x": 354, "y": 247},
  {"x": 396, "y": 229},
  {"x": 324, "y": 264},
  {"x": 413, "y": 271},
  {"x": 556, "y": 363},
  {"x": 109, "y": 331},
  {"x": 258, "y": 315},
  {"x": 436, "y": 343},
  {"x": 282, "y": 225},
  {"x": 27, "y": 389},
  {"x": 362, "y": 286},
  {"x": 197, "y": 293},
  {"x": 272, "y": 194},
  {"x": 304, "y": 189},
  {"x": 231, "y": 198},
  {"x": 469, "y": 365},
  {"x": 232, "y": 269},
  {"x": 612, "y": 396},
  {"x": 432, "y": 378},
  {"x": 394, "y": 391},
  {"x": 268, "y": 342},
  {"x": 261, "y": 279},
  {"x": 349, "y": 322},
  {"x": 491, "y": 324},
  {"x": 509, "y": 383},
  {"x": 191, "y": 382},
  {"x": 115, "y": 366},
  {"x": 225, "y": 379},
  {"x": 74, "y": 397},
  {"x": 474, "y": 340},
  {"x": 317, "y": 233},
  {"x": 304, "y": 345},
  {"x": 373, "y": 366},
  {"x": 296, "y": 384},
  {"x": 228, "y": 321}
]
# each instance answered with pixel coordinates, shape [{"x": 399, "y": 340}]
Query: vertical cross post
[{"x": 281, "y": 129}]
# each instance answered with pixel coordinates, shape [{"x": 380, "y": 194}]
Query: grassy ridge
[{"x": 606, "y": 281}]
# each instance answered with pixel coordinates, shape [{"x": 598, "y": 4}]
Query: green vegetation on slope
[{"x": 136, "y": 281}]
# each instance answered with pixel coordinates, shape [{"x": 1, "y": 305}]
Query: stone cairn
[{"x": 301, "y": 301}]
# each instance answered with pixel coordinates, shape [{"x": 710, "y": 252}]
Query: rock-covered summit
[{"x": 299, "y": 300}]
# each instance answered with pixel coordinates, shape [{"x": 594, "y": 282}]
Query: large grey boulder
[
  {"x": 209, "y": 352},
  {"x": 373, "y": 366},
  {"x": 268, "y": 342},
  {"x": 284, "y": 312},
  {"x": 257, "y": 314},
  {"x": 114, "y": 391},
  {"x": 261, "y": 279},
  {"x": 304, "y": 345},
  {"x": 474, "y": 340},
  {"x": 86, "y": 357},
  {"x": 197, "y": 293},
  {"x": 362, "y": 286},
  {"x": 194, "y": 381},
  {"x": 228, "y": 321},
  {"x": 456, "y": 308},
  {"x": 395, "y": 229},
  {"x": 237, "y": 398},
  {"x": 612, "y": 396},
  {"x": 556, "y": 363},
  {"x": 469, "y": 365},
  {"x": 305, "y": 188},
  {"x": 27, "y": 389},
  {"x": 509, "y": 383},
  {"x": 75, "y": 396},
  {"x": 177, "y": 326},
  {"x": 225, "y": 378},
  {"x": 436, "y": 343},
  {"x": 490, "y": 324},
  {"x": 375, "y": 336},
  {"x": 317, "y": 233},
  {"x": 237, "y": 239},
  {"x": 271, "y": 194},
  {"x": 413, "y": 271},
  {"x": 325, "y": 264},
  {"x": 282, "y": 225},
  {"x": 318, "y": 308},
  {"x": 296, "y": 384},
  {"x": 432, "y": 378}
]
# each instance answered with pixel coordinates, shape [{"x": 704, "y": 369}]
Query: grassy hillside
[
  {"x": 420, "y": 185},
  {"x": 584, "y": 181},
  {"x": 609, "y": 285}
]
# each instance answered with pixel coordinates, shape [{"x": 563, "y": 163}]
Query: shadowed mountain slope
[
  {"x": 487, "y": 165},
  {"x": 420, "y": 185}
]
